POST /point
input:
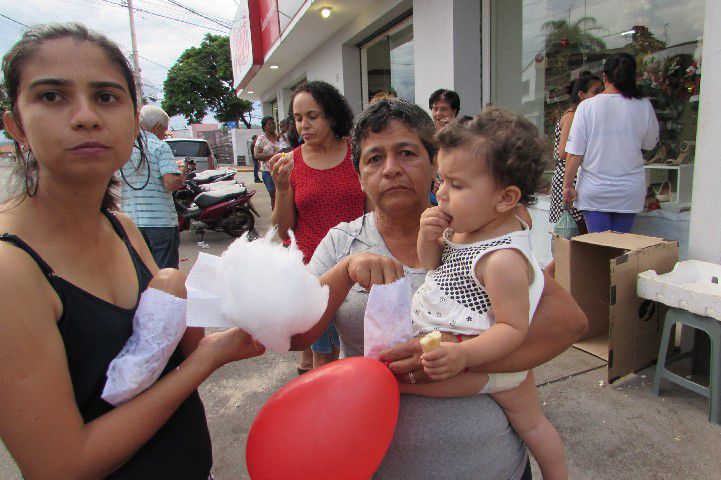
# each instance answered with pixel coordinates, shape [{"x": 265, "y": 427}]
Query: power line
[
  {"x": 153, "y": 62},
  {"x": 168, "y": 7},
  {"x": 160, "y": 23},
  {"x": 144, "y": 58},
  {"x": 178, "y": 4},
  {"x": 13, "y": 20},
  {"x": 182, "y": 9},
  {"x": 165, "y": 16}
]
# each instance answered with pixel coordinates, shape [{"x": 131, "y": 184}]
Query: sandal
[
  {"x": 664, "y": 192},
  {"x": 659, "y": 156},
  {"x": 684, "y": 155}
]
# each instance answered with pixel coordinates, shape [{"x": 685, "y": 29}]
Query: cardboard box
[{"x": 600, "y": 270}]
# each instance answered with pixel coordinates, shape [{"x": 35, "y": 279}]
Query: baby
[{"x": 484, "y": 283}]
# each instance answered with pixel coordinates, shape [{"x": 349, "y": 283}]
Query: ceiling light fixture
[
  {"x": 274, "y": 67},
  {"x": 325, "y": 12},
  {"x": 250, "y": 92}
]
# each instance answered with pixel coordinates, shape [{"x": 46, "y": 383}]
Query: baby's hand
[
  {"x": 434, "y": 222},
  {"x": 446, "y": 361}
]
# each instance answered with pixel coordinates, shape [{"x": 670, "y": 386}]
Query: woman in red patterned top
[{"x": 316, "y": 186}]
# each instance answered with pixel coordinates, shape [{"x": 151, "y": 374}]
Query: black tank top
[{"x": 94, "y": 331}]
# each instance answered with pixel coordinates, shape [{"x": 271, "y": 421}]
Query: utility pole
[{"x": 136, "y": 63}]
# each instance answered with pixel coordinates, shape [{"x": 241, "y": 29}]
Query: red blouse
[{"x": 323, "y": 199}]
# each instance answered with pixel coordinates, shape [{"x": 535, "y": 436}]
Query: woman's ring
[{"x": 411, "y": 377}]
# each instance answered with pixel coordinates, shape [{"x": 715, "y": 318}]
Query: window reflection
[
  {"x": 390, "y": 65},
  {"x": 539, "y": 46}
]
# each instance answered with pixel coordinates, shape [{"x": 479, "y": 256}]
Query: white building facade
[{"x": 518, "y": 54}]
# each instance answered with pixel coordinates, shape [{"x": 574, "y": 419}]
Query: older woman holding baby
[{"x": 465, "y": 437}]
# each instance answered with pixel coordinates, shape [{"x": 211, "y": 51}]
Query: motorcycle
[
  {"x": 210, "y": 176},
  {"x": 213, "y": 205}
]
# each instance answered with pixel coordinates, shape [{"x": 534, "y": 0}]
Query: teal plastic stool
[{"x": 712, "y": 327}]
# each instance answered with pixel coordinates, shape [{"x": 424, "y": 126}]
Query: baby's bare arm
[
  {"x": 434, "y": 221},
  {"x": 505, "y": 276}
]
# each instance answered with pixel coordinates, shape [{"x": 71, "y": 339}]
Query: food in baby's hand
[{"x": 431, "y": 341}]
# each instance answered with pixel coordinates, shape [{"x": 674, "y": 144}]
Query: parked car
[{"x": 193, "y": 149}]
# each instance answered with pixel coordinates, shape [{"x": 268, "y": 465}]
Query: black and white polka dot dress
[
  {"x": 556, "y": 202},
  {"x": 453, "y": 300}
]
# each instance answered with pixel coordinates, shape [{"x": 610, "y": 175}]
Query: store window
[
  {"x": 539, "y": 46},
  {"x": 387, "y": 63}
]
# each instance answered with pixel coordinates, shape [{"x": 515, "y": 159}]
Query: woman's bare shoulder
[
  {"x": 567, "y": 116},
  {"x": 21, "y": 279}
]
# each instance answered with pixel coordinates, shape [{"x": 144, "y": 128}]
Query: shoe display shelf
[{"x": 679, "y": 177}]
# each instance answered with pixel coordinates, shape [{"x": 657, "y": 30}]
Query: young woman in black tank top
[{"x": 72, "y": 276}]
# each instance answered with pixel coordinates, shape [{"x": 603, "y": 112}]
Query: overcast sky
[{"x": 160, "y": 40}]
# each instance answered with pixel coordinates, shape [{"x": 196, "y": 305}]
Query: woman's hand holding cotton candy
[
  {"x": 228, "y": 346},
  {"x": 260, "y": 287},
  {"x": 368, "y": 269},
  {"x": 281, "y": 166}
]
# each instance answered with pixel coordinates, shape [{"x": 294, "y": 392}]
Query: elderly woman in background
[
  {"x": 268, "y": 144},
  {"x": 393, "y": 150}
]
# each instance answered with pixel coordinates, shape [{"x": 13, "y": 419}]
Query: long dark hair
[
  {"x": 334, "y": 104},
  {"x": 581, "y": 84},
  {"x": 22, "y": 52},
  {"x": 620, "y": 70}
]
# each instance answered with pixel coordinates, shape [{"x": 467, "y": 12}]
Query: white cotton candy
[{"x": 261, "y": 287}]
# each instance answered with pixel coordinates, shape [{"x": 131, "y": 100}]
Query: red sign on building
[{"x": 255, "y": 30}]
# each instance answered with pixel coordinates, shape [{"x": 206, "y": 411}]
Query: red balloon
[{"x": 334, "y": 422}]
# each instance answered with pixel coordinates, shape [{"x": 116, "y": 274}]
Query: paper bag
[{"x": 387, "y": 320}]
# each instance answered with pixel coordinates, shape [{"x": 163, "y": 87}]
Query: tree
[
  {"x": 568, "y": 38},
  {"x": 643, "y": 41},
  {"x": 202, "y": 81},
  {"x": 568, "y": 46}
]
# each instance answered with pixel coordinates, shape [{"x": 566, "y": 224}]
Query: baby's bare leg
[
  {"x": 462, "y": 385},
  {"x": 530, "y": 423}
]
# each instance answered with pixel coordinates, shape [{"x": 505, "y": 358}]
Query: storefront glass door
[
  {"x": 387, "y": 64},
  {"x": 539, "y": 46}
]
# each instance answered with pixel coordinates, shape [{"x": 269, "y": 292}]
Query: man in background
[
  {"x": 256, "y": 166},
  {"x": 445, "y": 105},
  {"x": 147, "y": 188}
]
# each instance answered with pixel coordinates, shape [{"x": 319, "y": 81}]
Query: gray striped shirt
[{"x": 152, "y": 206}]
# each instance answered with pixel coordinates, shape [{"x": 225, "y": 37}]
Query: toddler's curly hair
[{"x": 508, "y": 143}]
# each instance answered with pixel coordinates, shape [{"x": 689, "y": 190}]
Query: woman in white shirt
[{"x": 607, "y": 136}]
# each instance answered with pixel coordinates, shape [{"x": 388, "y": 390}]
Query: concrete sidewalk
[{"x": 618, "y": 431}]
